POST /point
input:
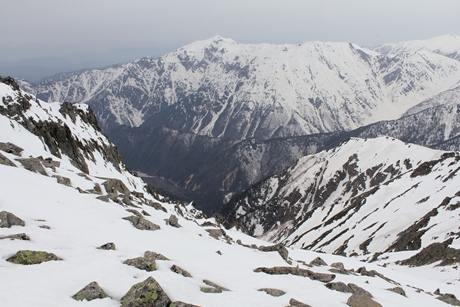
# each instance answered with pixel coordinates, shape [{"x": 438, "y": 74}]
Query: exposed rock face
[
  {"x": 362, "y": 301},
  {"x": 434, "y": 252},
  {"x": 33, "y": 165},
  {"x": 8, "y": 219},
  {"x": 174, "y": 221},
  {"x": 398, "y": 290},
  {"x": 63, "y": 180},
  {"x": 142, "y": 263},
  {"x": 5, "y": 161},
  {"x": 141, "y": 223},
  {"x": 318, "y": 261},
  {"x": 180, "y": 271},
  {"x": 296, "y": 303},
  {"x": 213, "y": 287},
  {"x": 296, "y": 271},
  {"x": 111, "y": 185},
  {"x": 108, "y": 246},
  {"x": 146, "y": 294},
  {"x": 28, "y": 257},
  {"x": 449, "y": 299},
  {"x": 19, "y": 236},
  {"x": 11, "y": 148},
  {"x": 273, "y": 292},
  {"x": 90, "y": 292},
  {"x": 280, "y": 248}
]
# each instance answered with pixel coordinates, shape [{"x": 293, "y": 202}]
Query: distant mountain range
[{"x": 214, "y": 117}]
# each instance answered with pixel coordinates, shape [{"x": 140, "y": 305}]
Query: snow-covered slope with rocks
[
  {"x": 364, "y": 197},
  {"x": 221, "y": 88},
  {"x": 100, "y": 224}
]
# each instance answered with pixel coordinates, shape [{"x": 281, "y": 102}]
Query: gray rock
[
  {"x": 296, "y": 303},
  {"x": 323, "y": 277},
  {"x": 154, "y": 256},
  {"x": 358, "y": 290},
  {"x": 49, "y": 163},
  {"x": 8, "y": 219},
  {"x": 174, "y": 221},
  {"x": 339, "y": 286},
  {"x": 19, "y": 236},
  {"x": 141, "y": 223},
  {"x": 103, "y": 198},
  {"x": 111, "y": 185},
  {"x": 45, "y": 226},
  {"x": 156, "y": 205},
  {"x": 216, "y": 233},
  {"x": 28, "y": 257},
  {"x": 280, "y": 248},
  {"x": 449, "y": 299},
  {"x": 135, "y": 212},
  {"x": 318, "y": 261},
  {"x": 63, "y": 180},
  {"x": 180, "y": 271},
  {"x": 90, "y": 292},
  {"x": 356, "y": 300},
  {"x": 142, "y": 263},
  {"x": 11, "y": 148},
  {"x": 33, "y": 165},
  {"x": 107, "y": 246},
  {"x": 146, "y": 294},
  {"x": 273, "y": 292},
  {"x": 338, "y": 267},
  {"x": 398, "y": 290},
  {"x": 218, "y": 288},
  {"x": 5, "y": 161}
]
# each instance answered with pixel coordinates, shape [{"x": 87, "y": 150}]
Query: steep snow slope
[
  {"x": 72, "y": 220},
  {"x": 357, "y": 199},
  {"x": 218, "y": 87}
]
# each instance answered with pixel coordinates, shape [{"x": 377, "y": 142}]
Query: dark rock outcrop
[
  {"x": 11, "y": 148},
  {"x": 434, "y": 252}
]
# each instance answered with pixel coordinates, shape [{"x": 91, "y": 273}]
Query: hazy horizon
[{"x": 56, "y": 35}]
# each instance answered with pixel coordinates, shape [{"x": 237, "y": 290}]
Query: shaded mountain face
[
  {"x": 363, "y": 197},
  {"x": 221, "y": 88},
  {"x": 210, "y": 170}
]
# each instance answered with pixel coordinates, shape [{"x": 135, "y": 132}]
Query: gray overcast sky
[{"x": 38, "y": 28}]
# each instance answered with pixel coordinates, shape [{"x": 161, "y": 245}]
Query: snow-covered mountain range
[
  {"x": 77, "y": 228},
  {"x": 221, "y": 88},
  {"x": 364, "y": 197}
]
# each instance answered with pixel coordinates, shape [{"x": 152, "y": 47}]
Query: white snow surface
[{"x": 79, "y": 223}]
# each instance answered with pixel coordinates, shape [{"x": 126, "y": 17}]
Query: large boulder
[
  {"x": 8, "y": 219},
  {"x": 90, "y": 292},
  {"x": 141, "y": 223},
  {"x": 28, "y": 257},
  {"x": 146, "y": 294}
]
